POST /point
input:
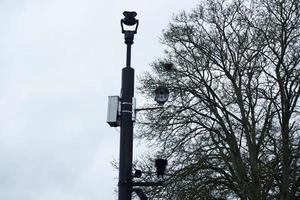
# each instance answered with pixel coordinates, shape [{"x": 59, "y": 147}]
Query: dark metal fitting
[
  {"x": 129, "y": 36},
  {"x": 137, "y": 174}
]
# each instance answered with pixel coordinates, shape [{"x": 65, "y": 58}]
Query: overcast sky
[{"x": 59, "y": 60}]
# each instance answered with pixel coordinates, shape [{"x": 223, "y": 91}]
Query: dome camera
[{"x": 161, "y": 95}]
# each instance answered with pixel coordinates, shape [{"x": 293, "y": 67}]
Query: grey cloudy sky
[{"x": 59, "y": 60}]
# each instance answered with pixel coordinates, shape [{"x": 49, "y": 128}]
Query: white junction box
[{"x": 113, "y": 117}]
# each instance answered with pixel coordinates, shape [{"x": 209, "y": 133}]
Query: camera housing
[
  {"x": 161, "y": 166},
  {"x": 161, "y": 95},
  {"x": 129, "y": 19}
]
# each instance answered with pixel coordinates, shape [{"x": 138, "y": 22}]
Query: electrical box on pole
[{"x": 113, "y": 111}]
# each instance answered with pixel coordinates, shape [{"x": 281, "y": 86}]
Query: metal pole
[{"x": 126, "y": 138}]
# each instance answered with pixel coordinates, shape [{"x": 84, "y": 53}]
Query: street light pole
[{"x": 127, "y": 93}]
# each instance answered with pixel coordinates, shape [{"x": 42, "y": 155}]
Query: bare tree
[{"x": 231, "y": 129}]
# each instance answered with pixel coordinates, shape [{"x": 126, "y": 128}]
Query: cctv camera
[
  {"x": 129, "y": 19},
  {"x": 161, "y": 165},
  {"x": 161, "y": 95}
]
